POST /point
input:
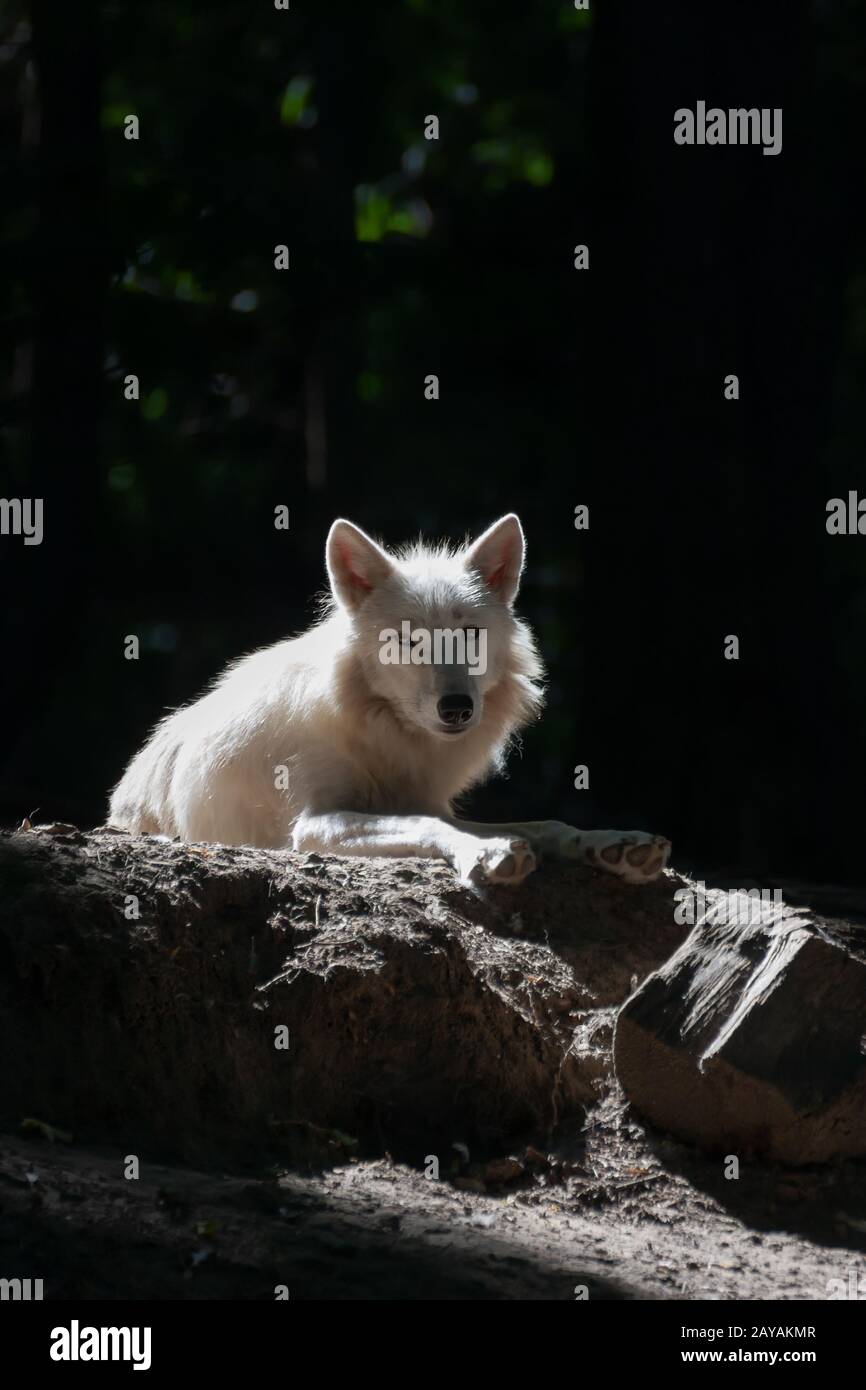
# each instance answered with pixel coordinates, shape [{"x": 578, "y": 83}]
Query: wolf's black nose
[{"x": 455, "y": 710}]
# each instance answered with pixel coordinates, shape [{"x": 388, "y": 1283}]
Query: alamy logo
[
  {"x": 20, "y": 1290},
  {"x": 77, "y": 1343},
  {"x": 22, "y": 516},
  {"x": 738, "y": 907},
  {"x": 438, "y": 646},
  {"x": 846, "y": 518},
  {"x": 736, "y": 126},
  {"x": 852, "y": 1288}
]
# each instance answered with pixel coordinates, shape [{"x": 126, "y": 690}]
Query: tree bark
[{"x": 750, "y": 1040}]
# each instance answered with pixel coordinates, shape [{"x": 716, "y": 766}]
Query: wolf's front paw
[
  {"x": 502, "y": 861},
  {"x": 630, "y": 854}
]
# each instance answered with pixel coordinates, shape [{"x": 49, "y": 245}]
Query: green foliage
[
  {"x": 513, "y": 159},
  {"x": 572, "y": 20},
  {"x": 295, "y": 101},
  {"x": 376, "y": 214},
  {"x": 155, "y": 404}
]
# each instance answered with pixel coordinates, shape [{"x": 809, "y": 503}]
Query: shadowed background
[{"x": 558, "y": 387}]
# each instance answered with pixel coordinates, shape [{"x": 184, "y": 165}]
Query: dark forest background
[{"x": 558, "y": 387}]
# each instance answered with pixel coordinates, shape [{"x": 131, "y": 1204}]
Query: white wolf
[{"x": 317, "y": 743}]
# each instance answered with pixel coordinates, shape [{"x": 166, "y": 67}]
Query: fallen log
[{"x": 751, "y": 1039}]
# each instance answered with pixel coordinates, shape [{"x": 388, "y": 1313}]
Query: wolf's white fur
[{"x": 315, "y": 744}]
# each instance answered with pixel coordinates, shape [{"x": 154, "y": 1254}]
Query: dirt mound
[{"x": 203, "y": 1001}]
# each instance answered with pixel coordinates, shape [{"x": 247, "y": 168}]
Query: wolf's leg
[
  {"x": 631, "y": 854},
  {"x": 499, "y": 858}
]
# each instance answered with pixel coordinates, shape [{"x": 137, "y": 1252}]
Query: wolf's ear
[
  {"x": 498, "y": 557},
  {"x": 356, "y": 564}
]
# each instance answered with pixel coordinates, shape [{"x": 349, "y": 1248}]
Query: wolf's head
[{"x": 434, "y": 630}]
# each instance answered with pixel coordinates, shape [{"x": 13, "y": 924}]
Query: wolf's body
[{"x": 317, "y": 744}]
